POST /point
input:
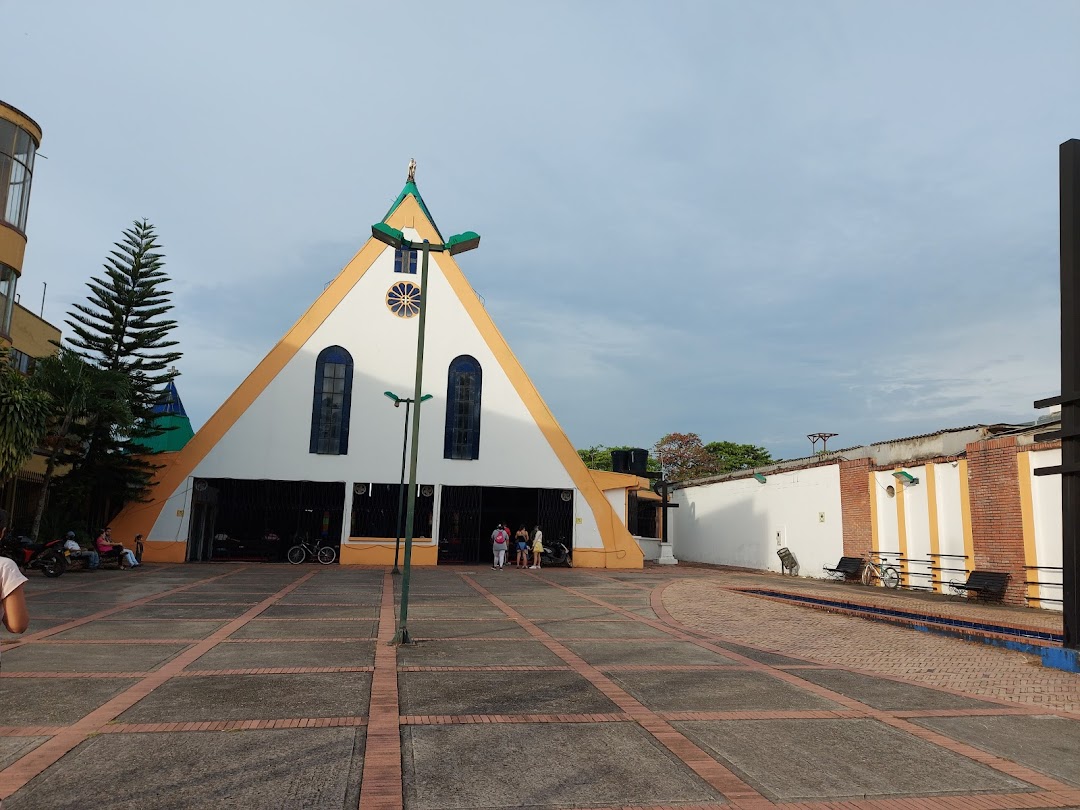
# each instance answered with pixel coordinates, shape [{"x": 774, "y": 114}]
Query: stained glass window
[
  {"x": 403, "y": 299},
  {"x": 331, "y": 402},
  {"x": 463, "y": 392}
]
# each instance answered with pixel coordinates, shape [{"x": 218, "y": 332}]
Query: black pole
[
  {"x": 663, "y": 510},
  {"x": 401, "y": 487},
  {"x": 1070, "y": 391}
]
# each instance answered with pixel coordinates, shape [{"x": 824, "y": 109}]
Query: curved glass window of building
[
  {"x": 464, "y": 386},
  {"x": 17, "y": 150},
  {"x": 8, "y": 279}
]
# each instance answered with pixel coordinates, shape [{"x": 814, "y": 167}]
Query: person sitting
[
  {"x": 106, "y": 546},
  {"x": 75, "y": 551}
]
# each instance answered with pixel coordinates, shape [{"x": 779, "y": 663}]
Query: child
[{"x": 537, "y": 547}]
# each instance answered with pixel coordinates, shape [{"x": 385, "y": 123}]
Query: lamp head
[
  {"x": 393, "y": 396},
  {"x": 425, "y": 397},
  {"x": 387, "y": 235},
  {"x": 459, "y": 243}
]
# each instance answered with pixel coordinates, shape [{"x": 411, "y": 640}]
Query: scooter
[
  {"x": 46, "y": 557},
  {"x": 556, "y": 555}
]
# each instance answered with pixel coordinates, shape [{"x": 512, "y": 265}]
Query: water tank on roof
[
  {"x": 620, "y": 461},
  {"x": 639, "y": 461}
]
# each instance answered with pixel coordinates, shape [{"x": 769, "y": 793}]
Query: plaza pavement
[{"x": 259, "y": 686}]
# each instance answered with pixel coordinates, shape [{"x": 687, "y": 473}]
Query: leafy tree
[
  {"x": 683, "y": 456},
  {"x": 83, "y": 396},
  {"x": 123, "y": 327},
  {"x": 730, "y": 456},
  {"x": 24, "y": 410}
]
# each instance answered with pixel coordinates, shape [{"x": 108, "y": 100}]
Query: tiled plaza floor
[{"x": 258, "y": 686}]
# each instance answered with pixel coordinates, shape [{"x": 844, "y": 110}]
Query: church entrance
[
  {"x": 239, "y": 519},
  {"x": 468, "y": 516}
]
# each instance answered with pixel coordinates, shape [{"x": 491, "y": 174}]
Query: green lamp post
[
  {"x": 455, "y": 244},
  {"x": 401, "y": 487}
]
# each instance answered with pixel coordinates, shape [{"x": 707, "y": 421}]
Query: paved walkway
[{"x": 256, "y": 686}]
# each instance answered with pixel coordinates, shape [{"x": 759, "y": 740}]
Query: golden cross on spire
[{"x": 412, "y": 171}]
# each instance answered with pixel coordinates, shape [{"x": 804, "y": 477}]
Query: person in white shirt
[{"x": 12, "y": 598}]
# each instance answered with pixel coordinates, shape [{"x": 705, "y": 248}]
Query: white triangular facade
[{"x": 263, "y": 431}]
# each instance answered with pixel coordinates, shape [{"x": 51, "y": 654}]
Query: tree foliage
[
  {"x": 683, "y": 456},
  {"x": 729, "y": 456},
  {"x": 24, "y": 411},
  {"x": 123, "y": 328},
  {"x": 82, "y": 397}
]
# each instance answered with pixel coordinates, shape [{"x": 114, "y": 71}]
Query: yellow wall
[
  {"x": 32, "y": 335},
  {"x": 381, "y": 553},
  {"x": 12, "y": 247}
]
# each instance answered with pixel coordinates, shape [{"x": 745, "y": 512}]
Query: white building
[{"x": 310, "y": 445}]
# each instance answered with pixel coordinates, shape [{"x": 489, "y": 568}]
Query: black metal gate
[{"x": 468, "y": 515}]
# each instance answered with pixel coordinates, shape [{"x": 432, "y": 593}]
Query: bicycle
[
  {"x": 304, "y": 549},
  {"x": 888, "y": 575}
]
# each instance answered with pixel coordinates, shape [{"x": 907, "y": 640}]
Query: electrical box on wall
[
  {"x": 781, "y": 536},
  {"x": 820, "y": 517}
]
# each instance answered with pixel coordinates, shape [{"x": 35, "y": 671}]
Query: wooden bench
[
  {"x": 986, "y": 585},
  {"x": 788, "y": 562},
  {"x": 847, "y": 568}
]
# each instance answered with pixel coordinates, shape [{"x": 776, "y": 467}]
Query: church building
[{"x": 311, "y": 445}]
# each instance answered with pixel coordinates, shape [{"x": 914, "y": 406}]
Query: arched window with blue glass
[
  {"x": 331, "y": 402},
  {"x": 463, "y": 389}
]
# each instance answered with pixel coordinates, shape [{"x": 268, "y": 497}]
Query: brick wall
[
  {"x": 855, "y": 506},
  {"x": 996, "y": 525}
]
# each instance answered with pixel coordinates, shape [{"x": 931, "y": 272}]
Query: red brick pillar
[
  {"x": 855, "y": 506},
  {"x": 997, "y": 527}
]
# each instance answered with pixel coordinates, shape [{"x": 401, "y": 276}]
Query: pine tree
[{"x": 123, "y": 327}]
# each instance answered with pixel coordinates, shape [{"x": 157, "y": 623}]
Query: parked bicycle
[
  {"x": 307, "y": 549},
  {"x": 888, "y": 575}
]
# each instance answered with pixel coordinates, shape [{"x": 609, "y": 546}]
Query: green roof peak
[{"x": 411, "y": 190}]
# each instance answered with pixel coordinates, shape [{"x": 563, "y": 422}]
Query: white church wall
[
  {"x": 270, "y": 440},
  {"x": 743, "y": 522}
]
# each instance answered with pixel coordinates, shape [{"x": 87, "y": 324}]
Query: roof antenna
[{"x": 412, "y": 171}]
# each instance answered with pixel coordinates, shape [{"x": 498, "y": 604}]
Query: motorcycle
[
  {"x": 47, "y": 557},
  {"x": 558, "y": 554}
]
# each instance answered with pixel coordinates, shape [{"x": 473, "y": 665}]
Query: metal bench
[
  {"x": 787, "y": 561},
  {"x": 986, "y": 585},
  {"x": 847, "y": 568}
]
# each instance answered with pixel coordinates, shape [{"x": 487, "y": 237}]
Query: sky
[{"x": 749, "y": 221}]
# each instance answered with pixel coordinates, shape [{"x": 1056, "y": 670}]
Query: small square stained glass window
[{"x": 405, "y": 261}]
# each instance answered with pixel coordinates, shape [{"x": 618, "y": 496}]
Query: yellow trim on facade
[
  {"x": 170, "y": 551},
  {"x": 382, "y": 554},
  {"x": 21, "y": 119},
  {"x": 620, "y": 549},
  {"x": 1027, "y": 518},
  {"x": 12, "y": 247},
  {"x": 873, "y": 510},
  {"x": 932, "y": 511},
  {"x": 901, "y": 532},
  {"x": 965, "y": 516}
]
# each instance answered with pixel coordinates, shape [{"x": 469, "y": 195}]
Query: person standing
[
  {"x": 13, "y": 611},
  {"x": 499, "y": 540},
  {"x": 521, "y": 540},
  {"x": 537, "y": 546}
]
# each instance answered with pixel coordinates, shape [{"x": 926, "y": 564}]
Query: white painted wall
[
  {"x": 270, "y": 440},
  {"x": 736, "y": 522},
  {"x": 1046, "y": 510},
  {"x": 917, "y": 530},
  {"x": 888, "y": 530}
]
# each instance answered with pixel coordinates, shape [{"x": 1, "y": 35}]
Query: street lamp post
[
  {"x": 454, "y": 245},
  {"x": 401, "y": 487}
]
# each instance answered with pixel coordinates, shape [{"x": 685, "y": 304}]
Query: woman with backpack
[{"x": 500, "y": 539}]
